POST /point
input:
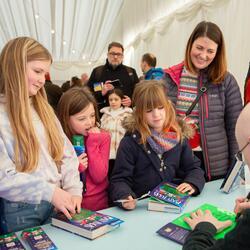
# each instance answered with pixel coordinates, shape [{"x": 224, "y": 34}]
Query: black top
[{"x": 202, "y": 236}]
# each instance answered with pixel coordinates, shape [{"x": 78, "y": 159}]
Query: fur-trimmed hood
[{"x": 129, "y": 124}]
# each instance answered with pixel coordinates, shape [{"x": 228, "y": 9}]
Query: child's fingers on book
[{"x": 66, "y": 213}]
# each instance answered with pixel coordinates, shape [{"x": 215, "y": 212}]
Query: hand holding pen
[
  {"x": 130, "y": 203},
  {"x": 241, "y": 204}
]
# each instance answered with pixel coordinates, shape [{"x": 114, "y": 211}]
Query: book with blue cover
[
  {"x": 10, "y": 242},
  {"x": 87, "y": 223},
  {"x": 166, "y": 198},
  {"x": 37, "y": 239},
  {"x": 178, "y": 229}
]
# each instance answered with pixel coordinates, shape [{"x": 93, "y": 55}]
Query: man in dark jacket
[
  {"x": 205, "y": 226},
  {"x": 100, "y": 81}
]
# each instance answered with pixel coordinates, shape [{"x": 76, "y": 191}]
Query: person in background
[
  {"x": 215, "y": 114},
  {"x": 53, "y": 91},
  {"x": 84, "y": 79},
  {"x": 111, "y": 121},
  {"x": 247, "y": 88},
  {"x": 39, "y": 168},
  {"x": 101, "y": 77},
  {"x": 78, "y": 114},
  {"x": 150, "y": 72},
  {"x": 154, "y": 149},
  {"x": 205, "y": 226},
  {"x": 65, "y": 86}
]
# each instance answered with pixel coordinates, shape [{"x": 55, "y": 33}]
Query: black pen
[{"x": 239, "y": 214}]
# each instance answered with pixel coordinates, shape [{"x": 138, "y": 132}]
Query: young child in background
[
  {"x": 39, "y": 168},
  {"x": 112, "y": 121},
  {"x": 78, "y": 114},
  {"x": 153, "y": 150}
]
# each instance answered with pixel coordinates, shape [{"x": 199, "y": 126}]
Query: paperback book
[
  {"x": 38, "y": 239},
  {"x": 234, "y": 177},
  {"x": 10, "y": 242},
  {"x": 166, "y": 198},
  {"x": 89, "y": 224},
  {"x": 178, "y": 229}
]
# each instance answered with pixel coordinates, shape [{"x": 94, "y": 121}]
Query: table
[{"x": 138, "y": 232}]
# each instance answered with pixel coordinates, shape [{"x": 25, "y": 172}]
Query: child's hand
[
  {"x": 62, "y": 201},
  {"x": 131, "y": 204},
  {"x": 77, "y": 200},
  {"x": 94, "y": 130},
  {"x": 83, "y": 160},
  {"x": 186, "y": 187},
  {"x": 206, "y": 216}
]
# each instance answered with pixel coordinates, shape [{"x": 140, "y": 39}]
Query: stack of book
[
  {"x": 166, "y": 198},
  {"x": 10, "y": 242},
  {"x": 89, "y": 224},
  {"x": 178, "y": 229}
]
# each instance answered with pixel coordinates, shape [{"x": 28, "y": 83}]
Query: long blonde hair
[
  {"x": 150, "y": 95},
  {"x": 13, "y": 85}
]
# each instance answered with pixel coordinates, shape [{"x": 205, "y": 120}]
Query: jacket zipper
[{"x": 204, "y": 108}]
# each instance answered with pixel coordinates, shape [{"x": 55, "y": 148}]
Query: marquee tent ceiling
[{"x": 73, "y": 30}]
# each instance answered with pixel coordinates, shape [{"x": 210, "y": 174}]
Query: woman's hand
[
  {"x": 77, "y": 200},
  {"x": 62, "y": 201},
  {"x": 186, "y": 187},
  {"x": 206, "y": 216},
  {"x": 129, "y": 205},
  {"x": 83, "y": 160},
  {"x": 241, "y": 204}
]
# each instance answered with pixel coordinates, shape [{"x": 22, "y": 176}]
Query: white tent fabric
[{"x": 77, "y": 32}]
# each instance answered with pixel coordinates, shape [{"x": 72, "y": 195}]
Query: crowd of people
[{"x": 175, "y": 124}]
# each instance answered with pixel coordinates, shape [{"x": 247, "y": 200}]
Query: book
[
  {"x": 10, "y": 242},
  {"x": 89, "y": 224},
  {"x": 38, "y": 239},
  {"x": 166, "y": 198},
  {"x": 178, "y": 229},
  {"x": 234, "y": 177}
]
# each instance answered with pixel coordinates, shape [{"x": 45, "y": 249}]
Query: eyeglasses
[{"x": 115, "y": 54}]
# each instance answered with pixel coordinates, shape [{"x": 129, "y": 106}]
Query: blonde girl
[{"x": 38, "y": 165}]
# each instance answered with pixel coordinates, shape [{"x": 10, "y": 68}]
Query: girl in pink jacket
[{"x": 78, "y": 114}]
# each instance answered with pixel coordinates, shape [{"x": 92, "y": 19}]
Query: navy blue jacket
[{"x": 138, "y": 168}]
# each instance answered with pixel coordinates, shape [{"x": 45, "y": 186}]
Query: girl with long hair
[
  {"x": 38, "y": 164},
  {"x": 154, "y": 149}
]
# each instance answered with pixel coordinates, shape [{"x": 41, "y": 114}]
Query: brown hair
[
  {"x": 150, "y": 59},
  {"x": 72, "y": 102},
  {"x": 13, "y": 84},
  {"x": 150, "y": 95},
  {"x": 218, "y": 67},
  {"x": 115, "y": 44}
]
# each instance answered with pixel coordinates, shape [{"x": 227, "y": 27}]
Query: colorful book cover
[
  {"x": 178, "y": 229},
  {"x": 38, "y": 239},
  {"x": 10, "y": 242},
  {"x": 168, "y": 193},
  {"x": 89, "y": 220}
]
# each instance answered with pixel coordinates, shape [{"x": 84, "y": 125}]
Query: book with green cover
[
  {"x": 87, "y": 223},
  {"x": 178, "y": 229},
  {"x": 166, "y": 198}
]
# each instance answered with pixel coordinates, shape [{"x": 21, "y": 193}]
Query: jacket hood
[{"x": 187, "y": 132}]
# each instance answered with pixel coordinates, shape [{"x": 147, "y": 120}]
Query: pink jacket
[{"x": 97, "y": 148}]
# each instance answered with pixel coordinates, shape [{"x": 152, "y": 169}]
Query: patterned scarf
[{"x": 162, "y": 142}]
